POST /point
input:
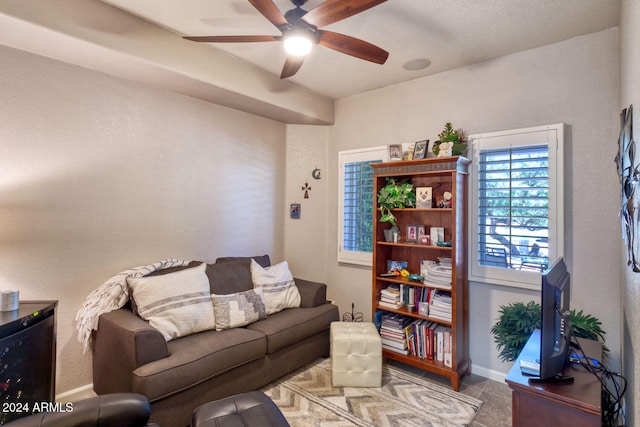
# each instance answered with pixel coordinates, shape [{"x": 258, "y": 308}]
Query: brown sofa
[{"x": 177, "y": 376}]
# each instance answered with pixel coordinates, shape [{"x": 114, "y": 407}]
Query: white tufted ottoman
[{"x": 356, "y": 355}]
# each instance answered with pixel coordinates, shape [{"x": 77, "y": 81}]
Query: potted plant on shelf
[
  {"x": 518, "y": 320},
  {"x": 395, "y": 195},
  {"x": 451, "y": 142}
]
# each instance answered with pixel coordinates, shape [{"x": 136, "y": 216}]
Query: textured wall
[
  {"x": 574, "y": 82},
  {"x": 306, "y": 238},
  {"x": 98, "y": 175}
]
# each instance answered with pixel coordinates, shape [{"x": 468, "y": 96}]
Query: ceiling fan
[{"x": 300, "y": 30}]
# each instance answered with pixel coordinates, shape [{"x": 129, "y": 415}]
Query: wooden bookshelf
[{"x": 442, "y": 174}]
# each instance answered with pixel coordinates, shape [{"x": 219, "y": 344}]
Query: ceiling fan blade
[
  {"x": 270, "y": 11},
  {"x": 353, "y": 46},
  {"x": 233, "y": 39},
  {"x": 291, "y": 66},
  {"x": 335, "y": 10}
]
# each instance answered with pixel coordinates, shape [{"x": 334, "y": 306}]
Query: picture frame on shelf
[
  {"x": 395, "y": 152},
  {"x": 412, "y": 233},
  {"x": 436, "y": 235},
  {"x": 420, "y": 149},
  {"x": 424, "y": 197},
  {"x": 396, "y": 266},
  {"x": 423, "y": 308}
]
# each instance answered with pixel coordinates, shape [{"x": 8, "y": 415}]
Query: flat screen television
[{"x": 555, "y": 329}]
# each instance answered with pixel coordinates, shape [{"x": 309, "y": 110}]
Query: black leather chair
[
  {"x": 109, "y": 410},
  {"x": 253, "y": 409}
]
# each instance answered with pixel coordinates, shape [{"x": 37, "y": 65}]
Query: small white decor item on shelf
[
  {"x": 446, "y": 149},
  {"x": 9, "y": 300}
]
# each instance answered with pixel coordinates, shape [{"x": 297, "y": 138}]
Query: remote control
[{"x": 530, "y": 367}]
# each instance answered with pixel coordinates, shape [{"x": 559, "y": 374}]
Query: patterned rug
[{"x": 307, "y": 398}]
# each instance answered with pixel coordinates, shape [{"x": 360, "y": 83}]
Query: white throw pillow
[
  {"x": 239, "y": 309},
  {"x": 278, "y": 287},
  {"x": 176, "y": 304}
]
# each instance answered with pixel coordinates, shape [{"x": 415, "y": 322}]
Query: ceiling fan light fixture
[{"x": 297, "y": 43}]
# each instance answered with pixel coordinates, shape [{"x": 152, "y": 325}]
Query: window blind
[
  {"x": 513, "y": 207},
  {"x": 358, "y": 206}
]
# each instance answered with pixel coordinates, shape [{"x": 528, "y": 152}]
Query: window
[
  {"x": 517, "y": 205},
  {"x": 356, "y": 204}
]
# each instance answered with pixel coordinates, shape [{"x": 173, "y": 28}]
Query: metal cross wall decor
[{"x": 306, "y": 188}]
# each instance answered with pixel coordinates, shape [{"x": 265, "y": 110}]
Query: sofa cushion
[
  {"x": 229, "y": 277},
  {"x": 176, "y": 304},
  {"x": 293, "y": 325},
  {"x": 263, "y": 260},
  {"x": 239, "y": 309},
  {"x": 196, "y": 358},
  {"x": 279, "y": 289}
]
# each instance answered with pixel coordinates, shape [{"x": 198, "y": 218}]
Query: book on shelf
[
  {"x": 440, "y": 305},
  {"x": 390, "y": 297},
  {"x": 393, "y": 332},
  {"x": 395, "y": 350},
  {"x": 430, "y": 341},
  {"x": 436, "y": 274}
]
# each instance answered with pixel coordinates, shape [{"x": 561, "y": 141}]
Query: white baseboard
[
  {"x": 488, "y": 373},
  {"x": 76, "y": 394}
]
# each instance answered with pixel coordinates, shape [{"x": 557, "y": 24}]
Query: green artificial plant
[
  {"x": 456, "y": 136},
  {"x": 395, "y": 195},
  {"x": 517, "y": 321}
]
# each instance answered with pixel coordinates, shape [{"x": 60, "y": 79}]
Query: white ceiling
[{"x": 449, "y": 33}]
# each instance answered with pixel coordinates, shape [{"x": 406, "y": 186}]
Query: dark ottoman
[{"x": 253, "y": 409}]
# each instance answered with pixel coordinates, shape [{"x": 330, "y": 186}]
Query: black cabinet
[{"x": 27, "y": 359}]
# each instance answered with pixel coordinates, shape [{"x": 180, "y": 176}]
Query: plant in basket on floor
[{"x": 395, "y": 195}]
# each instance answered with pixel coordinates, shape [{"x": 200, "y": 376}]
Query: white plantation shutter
[
  {"x": 356, "y": 204},
  {"x": 516, "y": 218}
]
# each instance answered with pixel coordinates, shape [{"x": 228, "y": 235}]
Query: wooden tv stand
[{"x": 558, "y": 405}]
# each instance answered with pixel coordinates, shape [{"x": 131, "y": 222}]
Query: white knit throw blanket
[{"x": 111, "y": 295}]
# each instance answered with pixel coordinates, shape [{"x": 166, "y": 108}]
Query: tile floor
[{"x": 495, "y": 396}]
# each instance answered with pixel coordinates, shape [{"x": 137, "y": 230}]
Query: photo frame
[
  {"x": 294, "y": 211},
  {"x": 395, "y": 152},
  {"x": 396, "y": 266},
  {"x": 420, "y": 149},
  {"x": 414, "y": 232},
  {"x": 424, "y": 197}
]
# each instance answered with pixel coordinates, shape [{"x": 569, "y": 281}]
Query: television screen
[{"x": 555, "y": 330}]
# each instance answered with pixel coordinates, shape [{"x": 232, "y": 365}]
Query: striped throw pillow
[{"x": 176, "y": 304}]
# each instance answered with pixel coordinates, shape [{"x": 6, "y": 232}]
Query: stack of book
[
  {"x": 390, "y": 297},
  {"x": 393, "y": 332},
  {"x": 437, "y": 274},
  {"x": 440, "y": 305}
]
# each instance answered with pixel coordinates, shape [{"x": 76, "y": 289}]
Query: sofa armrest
[
  {"x": 312, "y": 294},
  {"x": 122, "y": 343}
]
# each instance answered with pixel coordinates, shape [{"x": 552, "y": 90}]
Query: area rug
[{"x": 307, "y": 398}]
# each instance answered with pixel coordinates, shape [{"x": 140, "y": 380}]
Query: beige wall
[
  {"x": 630, "y": 94},
  {"x": 98, "y": 175},
  {"x": 574, "y": 82},
  {"x": 306, "y": 239}
]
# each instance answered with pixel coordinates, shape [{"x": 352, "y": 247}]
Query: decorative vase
[
  {"x": 458, "y": 149},
  {"x": 389, "y": 232}
]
